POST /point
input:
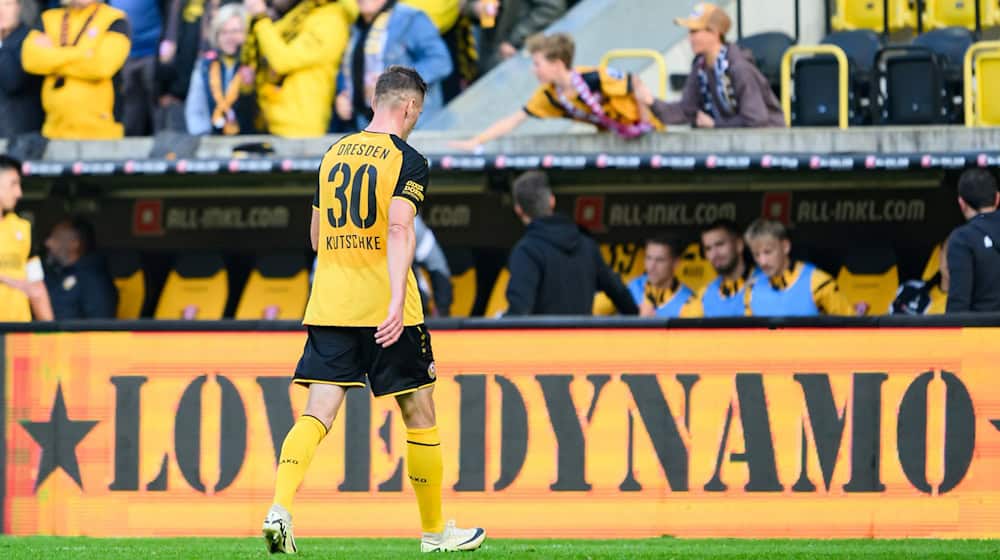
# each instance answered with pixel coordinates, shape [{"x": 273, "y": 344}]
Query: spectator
[
  {"x": 456, "y": 29},
  {"x": 20, "y": 92},
  {"x": 602, "y": 97},
  {"x": 554, "y": 268},
  {"x": 507, "y": 24},
  {"x": 723, "y": 246},
  {"x": 974, "y": 248},
  {"x": 916, "y": 297},
  {"x": 22, "y": 289},
  {"x": 785, "y": 287},
  {"x": 139, "y": 88},
  {"x": 77, "y": 279},
  {"x": 385, "y": 34},
  {"x": 658, "y": 292},
  {"x": 724, "y": 88},
  {"x": 79, "y": 50},
  {"x": 295, "y": 59},
  {"x": 180, "y": 49},
  {"x": 217, "y": 103},
  {"x": 429, "y": 256}
]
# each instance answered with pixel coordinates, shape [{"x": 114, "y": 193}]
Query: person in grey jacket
[
  {"x": 20, "y": 92},
  {"x": 429, "y": 256},
  {"x": 507, "y": 24},
  {"x": 724, "y": 88}
]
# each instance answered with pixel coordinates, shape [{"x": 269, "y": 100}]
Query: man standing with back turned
[
  {"x": 974, "y": 248},
  {"x": 364, "y": 313}
]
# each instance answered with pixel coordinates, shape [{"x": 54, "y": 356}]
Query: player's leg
[
  {"x": 296, "y": 454},
  {"x": 423, "y": 465}
]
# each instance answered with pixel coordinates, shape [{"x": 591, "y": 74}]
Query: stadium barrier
[{"x": 870, "y": 427}]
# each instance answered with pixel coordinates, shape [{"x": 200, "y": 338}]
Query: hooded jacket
[
  {"x": 556, "y": 270},
  {"x": 974, "y": 265}
]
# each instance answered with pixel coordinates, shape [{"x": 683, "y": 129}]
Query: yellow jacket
[
  {"x": 444, "y": 13},
  {"x": 15, "y": 246},
  {"x": 78, "y": 94},
  {"x": 297, "y": 99}
]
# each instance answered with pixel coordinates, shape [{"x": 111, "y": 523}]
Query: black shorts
[{"x": 345, "y": 355}]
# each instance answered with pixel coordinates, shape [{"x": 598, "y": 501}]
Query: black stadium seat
[
  {"x": 767, "y": 49},
  {"x": 950, "y": 44},
  {"x": 815, "y": 85}
]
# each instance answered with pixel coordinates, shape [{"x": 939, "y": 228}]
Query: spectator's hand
[
  {"x": 464, "y": 145},
  {"x": 388, "y": 332},
  {"x": 255, "y": 7},
  {"x": 42, "y": 40},
  {"x": 647, "y": 309},
  {"x": 642, "y": 92},
  {"x": 507, "y": 50},
  {"x": 168, "y": 49},
  {"x": 704, "y": 121},
  {"x": 246, "y": 75},
  {"x": 343, "y": 106},
  {"x": 167, "y": 100}
]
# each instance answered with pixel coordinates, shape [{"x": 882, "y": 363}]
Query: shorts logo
[
  {"x": 414, "y": 189},
  {"x": 432, "y": 371}
]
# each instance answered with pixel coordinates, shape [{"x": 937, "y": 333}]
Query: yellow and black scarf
[{"x": 289, "y": 26}]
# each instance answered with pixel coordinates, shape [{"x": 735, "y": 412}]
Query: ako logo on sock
[{"x": 432, "y": 371}]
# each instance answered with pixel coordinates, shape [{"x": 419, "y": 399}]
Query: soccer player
[
  {"x": 658, "y": 292},
  {"x": 787, "y": 288},
  {"x": 22, "y": 286},
  {"x": 364, "y": 314},
  {"x": 723, "y": 245}
]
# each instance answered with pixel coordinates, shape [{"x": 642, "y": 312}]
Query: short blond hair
[
  {"x": 558, "y": 46},
  {"x": 762, "y": 227},
  {"x": 225, "y": 13}
]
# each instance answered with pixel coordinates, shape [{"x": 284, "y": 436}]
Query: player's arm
[
  {"x": 400, "y": 246},
  {"x": 828, "y": 297},
  {"x": 34, "y": 288},
  {"x": 500, "y": 128},
  {"x": 314, "y": 229}
]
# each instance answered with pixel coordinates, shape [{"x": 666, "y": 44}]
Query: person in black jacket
[
  {"x": 78, "y": 281},
  {"x": 555, "y": 269},
  {"x": 20, "y": 92},
  {"x": 974, "y": 248}
]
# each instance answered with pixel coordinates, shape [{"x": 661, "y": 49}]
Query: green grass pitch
[{"x": 37, "y": 548}]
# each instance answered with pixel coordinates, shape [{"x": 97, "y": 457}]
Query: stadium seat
[
  {"x": 463, "y": 293},
  {"x": 950, "y": 44},
  {"x": 960, "y": 13},
  {"x": 829, "y": 84},
  {"x": 767, "y": 49},
  {"x": 981, "y": 74},
  {"x": 497, "y": 303},
  {"x": 870, "y": 14},
  {"x": 695, "y": 271},
  {"x": 278, "y": 288},
  {"x": 196, "y": 288},
  {"x": 911, "y": 87},
  {"x": 625, "y": 259},
  {"x": 870, "y": 276},
  {"x": 933, "y": 264},
  {"x": 130, "y": 281}
]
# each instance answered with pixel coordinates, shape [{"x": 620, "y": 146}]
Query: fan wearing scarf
[
  {"x": 604, "y": 98},
  {"x": 219, "y": 100},
  {"x": 295, "y": 60},
  {"x": 79, "y": 49},
  {"x": 724, "y": 89},
  {"x": 389, "y": 34}
]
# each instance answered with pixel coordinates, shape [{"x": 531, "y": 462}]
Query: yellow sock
[
  {"x": 423, "y": 465},
  {"x": 296, "y": 454}
]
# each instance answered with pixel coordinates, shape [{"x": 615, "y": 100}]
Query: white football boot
[
  {"x": 453, "y": 539},
  {"x": 277, "y": 531}
]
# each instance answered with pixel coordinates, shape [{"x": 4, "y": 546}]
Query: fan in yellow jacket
[
  {"x": 79, "y": 49},
  {"x": 296, "y": 60}
]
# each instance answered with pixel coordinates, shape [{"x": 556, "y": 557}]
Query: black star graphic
[
  {"x": 58, "y": 439},
  {"x": 996, "y": 424}
]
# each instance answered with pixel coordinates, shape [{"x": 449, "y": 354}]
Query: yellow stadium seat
[
  {"x": 869, "y": 14},
  {"x": 130, "y": 281},
  {"x": 933, "y": 264},
  {"x": 939, "y": 301},
  {"x": 196, "y": 288},
  {"x": 497, "y": 303},
  {"x": 278, "y": 288},
  {"x": 871, "y": 277},
  {"x": 627, "y": 260},
  {"x": 982, "y": 105},
  {"x": 463, "y": 293},
  {"x": 959, "y": 13},
  {"x": 694, "y": 271}
]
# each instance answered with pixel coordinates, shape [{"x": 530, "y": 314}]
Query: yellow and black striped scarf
[{"x": 289, "y": 26}]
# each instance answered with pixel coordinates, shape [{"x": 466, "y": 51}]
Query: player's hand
[
  {"x": 344, "y": 107},
  {"x": 390, "y": 330},
  {"x": 704, "y": 121},
  {"x": 861, "y": 308},
  {"x": 20, "y": 285},
  {"x": 647, "y": 309}
]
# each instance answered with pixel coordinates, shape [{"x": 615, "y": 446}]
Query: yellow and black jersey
[
  {"x": 359, "y": 177},
  {"x": 90, "y": 46},
  {"x": 614, "y": 89},
  {"x": 15, "y": 247}
]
